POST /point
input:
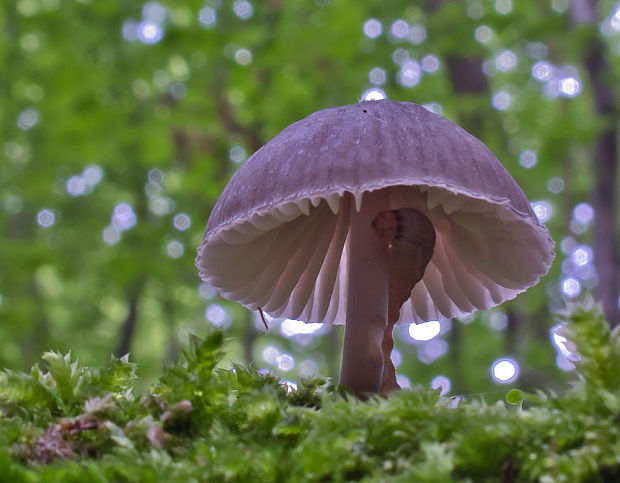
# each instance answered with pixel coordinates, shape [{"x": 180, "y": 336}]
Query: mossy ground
[{"x": 68, "y": 422}]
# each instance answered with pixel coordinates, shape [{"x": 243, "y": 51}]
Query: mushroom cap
[{"x": 277, "y": 237}]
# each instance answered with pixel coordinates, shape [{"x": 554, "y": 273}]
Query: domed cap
[{"x": 277, "y": 237}]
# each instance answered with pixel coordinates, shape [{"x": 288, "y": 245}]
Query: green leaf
[{"x": 515, "y": 396}]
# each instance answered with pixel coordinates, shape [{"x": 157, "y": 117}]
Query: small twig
[{"x": 262, "y": 316}]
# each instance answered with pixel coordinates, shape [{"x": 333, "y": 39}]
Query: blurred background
[{"x": 121, "y": 122}]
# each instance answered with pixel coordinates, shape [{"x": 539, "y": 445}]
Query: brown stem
[
  {"x": 362, "y": 355},
  {"x": 412, "y": 240},
  {"x": 388, "y": 382}
]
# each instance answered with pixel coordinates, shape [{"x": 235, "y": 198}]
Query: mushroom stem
[
  {"x": 367, "y": 300},
  {"x": 412, "y": 240},
  {"x": 388, "y": 381}
]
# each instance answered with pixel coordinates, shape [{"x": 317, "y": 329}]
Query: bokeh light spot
[
  {"x": 76, "y": 186},
  {"x": 270, "y": 354},
  {"x": 400, "y": 29},
  {"x": 182, "y": 221},
  {"x": 377, "y": 76},
  {"x": 403, "y": 381},
  {"x": 501, "y": 100},
  {"x": 571, "y": 287},
  {"x": 503, "y": 7},
  {"x": 374, "y": 94},
  {"x": 537, "y": 50},
  {"x": 308, "y": 368},
  {"x": 424, "y": 331},
  {"x": 417, "y": 34},
  {"x": 155, "y": 175},
  {"x": 400, "y": 56},
  {"x": 27, "y": 8},
  {"x": 178, "y": 90},
  {"x": 175, "y": 249},
  {"x": 243, "y": 9},
  {"x": 149, "y": 32},
  {"x": 30, "y": 42},
  {"x": 372, "y": 28},
  {"x": 432, "y": 350},
  {"x": 285, "y": 362},
  {"x": 568, "y": 267},
  {"x": 206, "y": 291},
  {"x": 141, "y": 89},
  {"x": 498, "y": 321},
  {"x": 506, "y": 60},
  {"x": 218, "y": 316},
  {"x": 583, "y": 213},
  {"x": 443, "y": 383},
  {"x": 528, "y": 159},
  {"x": 160, "y": 205},
  {"x": 560, "y": 6},
  {"x": 207, "y": 17},
  {"x": 152, "y": 190},
  {"x": 542, "y": 71},
  {"x": 555, "y": 185},
  {"x": 243, "y": 56},
  {"x": 614, "y": 20},
  {"x": 430, "y": 63},
  {"x": 110, "y": 235},
  {"x": 237, "y": 154},
  {"x": 505, "y": 370},
  {"x": 92, "y": 174},
  {"x": 483, "y": 34},
  {"x": 542, "y": 210},
  {"x": 291, "y": 327},
  {"x": 46, "y": 218},
  {"x": 568, "y": 244},
  {"x": 410, "y": 73},
  {"x": 577, "y": 227},
  {"x": 396, "y": 357},
  {"x": 153, "y": 11},
  {"x": 19, "y": 153},
  {"x": 475, "y": 10},
  {"x": 434, "y": 107},
  {"x": 27, "y": 119},
  {"x": 123, "y": 217},
  {"x": 570, "y": 86},
  {"x": 582, "y": 255},
  {"x": 130, "y": 30}
]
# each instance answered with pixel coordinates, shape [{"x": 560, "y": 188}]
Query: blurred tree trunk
[
  {"x": 605, "y": 161},
  {"x": 40, "y": 335},
  {"x": 334, "y": 341},
  {"x": 248, "y": 338},
  {"x": 514, "y": 321},
  {"x": 129, "y": 325},
  {"x": 455, "y": 339},
  {"x": 168, "y": 307}
]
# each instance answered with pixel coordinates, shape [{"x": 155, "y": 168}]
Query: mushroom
[{"x": 370, "y": 215}]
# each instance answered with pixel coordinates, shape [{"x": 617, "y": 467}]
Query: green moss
[{"x": 68, "y": 422}]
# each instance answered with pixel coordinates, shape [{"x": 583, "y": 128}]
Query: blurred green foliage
[
  {"x": 69, "y": 422},
  {"x": 79, "y": 88}
]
